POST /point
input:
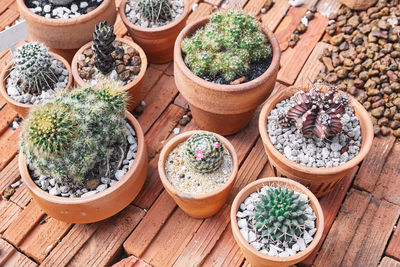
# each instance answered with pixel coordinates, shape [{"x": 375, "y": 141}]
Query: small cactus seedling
[
  {"x": 226, "y": 46},
  {"x": 155, "y": 10},
  {"x": 33, "y": 63},
  {"x": 317, "y": 113},
  {"x": 279, "y": 215},
  {"x": 103, "y": 38},
  {"x": 203, "y": 152}
]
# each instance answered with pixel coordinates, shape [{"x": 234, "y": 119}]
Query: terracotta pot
[
  {"x": 158, "y": 43},
  {"x": 21, "y": 108},
  {"x": 358, "y": 4},
  {"x": 224, "y": 109},
  {"x": 134, "y": 88},
  {"x": 197, "y": 205},
  {"x": 257, "y": 258},
  {"x": 99, "y": 206},
  {"x": 66, "y": 33},
  {"x": 319, "y": 180}
]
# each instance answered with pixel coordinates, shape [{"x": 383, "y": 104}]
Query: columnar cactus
[
  {"x": 103, "y": 38},
  {"x": 155, "y": 10},
  {"x": 226, "y": 46},
  {"x": 203, "y": 152},
  {"x": 77, "y": 133},
  {"x": 279, "y": 215},
  {"x": 33, "y": 63}
]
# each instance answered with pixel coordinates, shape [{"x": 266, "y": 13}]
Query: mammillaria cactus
[
  {"x": 33, "y": 63},
  {"x": 226, "y": 46},
  {"x": 103, "y": 38},
  {"x": 279, "y": 215},
  {"x": 155, "y": 10},
  {"x": 77, "y": 134},
  {"x": 318, "y": 113},
  {"x": 203, "y": 152}
]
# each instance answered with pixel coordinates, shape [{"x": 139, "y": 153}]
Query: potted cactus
[
  {"x": 115, "y": 58},
  {"x": 33, "y": 76},
  {"x": 155, "y": 24},
  {"x": 276, "y": 222},
  {"x": 225, "y": 66},
  {"x": 83, "y": 157},
  {"x": 198, "y": 170},
  {"x": 315, "y": 135}
]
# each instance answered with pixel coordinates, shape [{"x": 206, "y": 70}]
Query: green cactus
[
  {"x": 203, "y": 152},
  {"x": 155, "y": 11},
  {"x": 77, "y": 133},
  {"x": 279, "y": 215},
  {"x": 226, "y": 46},
  {"x": 33, "y": 63},
  {"x": 103, "y": 38}
]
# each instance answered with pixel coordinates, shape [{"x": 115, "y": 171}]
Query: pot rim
[
  {"x": 85, "y": 200},
  {"x": 298, "y": 188},
  {"x": 7, "y": 70},
  {"x": 63, "y": 22},
  {"x": 180, "y": 138},
  {"x": 126, "y": 21},
  {"x": 363, "y": 118},
  {"x": 139, "y": 77},
  {"x": 247, "y": 86}
]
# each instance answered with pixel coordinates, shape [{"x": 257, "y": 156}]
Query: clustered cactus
[
  {"x": 33, "y": 63},
  {"x": 226, "y": 46},
  {"x": 203, "y": 152},
  {"x": 77, "y": 133},
  {"x": 317, "y": 113},
  {"x": 155, "y": 10},
  {"x": 103, "y": 38},
  {"x": 279, "y": 215}
]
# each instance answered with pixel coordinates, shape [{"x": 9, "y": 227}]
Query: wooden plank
[
  {"x": 19, "y": 259},
  {"x": 21, "y": 197},
  {"x": 373, "y": 163},
  {"x": 142, "y": 236},
  {"x": 204, "y": 239},
  {"x": 236, "y": 4},
  {"x": 291, "y": 68},
  {"x": 213, "y": 2},
  {"x": 127, "y": 262},
  {"x": 328, "y": 7},
  {"x": 181, "y": 102},
  {"x": 343, "y": 229},
  {"x": 8, "y": 146},
  {"x": 254, "y": 6},
  {"x": 388, "y": 262},
  {"x": 9, "y": 175},
  {"x": 7, "y": 18},
  {"x": 170, "y": 70},
  {"x": 106, "y": 242},
  {"x": 150, "y": 79},
  {"x": 5, "y": 60},
  {"x": 277, "y": 12},
  {"x": 14, "y": 7},
  {"x": 267, "y": 171},
  {"x": 119, "y": 27},
  {"x": 161, "y": 67},
  {"x": 7, "y": 115},
  {"x": 8, "y": 213},
  {"x": 202, "y": 10},
  {"x": 6, "y": 250},
  {"x": 393, "y": 249},
  {"x": 4, "y": 5}
]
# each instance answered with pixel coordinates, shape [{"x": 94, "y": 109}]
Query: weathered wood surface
[{"x": 361, "y": 213}]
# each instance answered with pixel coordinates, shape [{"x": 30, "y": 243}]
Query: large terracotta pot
[
  {"x": 100, "y": 205},
  {"x": 197, "y": 205},
  {"x": 21, "y": 108},
  {"x": 66, "y": 33},
  {"x": 258, "y": 259},
  {"x": 158, "y": 43},
  {"x": 319, "y": 180},
  {"x": 358, "y": 4},
  {"x": 134, "y": 88},
  {"x": 224, "y": 109}
]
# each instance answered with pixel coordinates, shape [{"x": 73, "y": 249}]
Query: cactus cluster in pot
[{"x": 155, "y": 10}]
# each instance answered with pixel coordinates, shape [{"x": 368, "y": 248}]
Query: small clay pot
[
  {"x": 134, "y": 88},
  {"x": 220, "y": 108},
  {"x": 257, "y": 258},
  {"x": 21, "y": 108},
  {"x": 158, "y": 42},
  {"x": 201, "y": 205},
  {"x": 66, "y": 33},
  {"x": 101, "y": 205},
  {"x": 358, "y": 4},
  {"x": 319, "y": 180}
]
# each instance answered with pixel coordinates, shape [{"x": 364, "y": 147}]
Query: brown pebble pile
[{"x": 365, "y": 60}]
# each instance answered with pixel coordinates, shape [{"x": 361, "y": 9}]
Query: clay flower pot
[
  {"x": 134, "y": 88},
  {"x": 21, "y": 108},
  {"x": 101, "y": 205},
  {"x": 158, "y": 42},
  {"x": 201, "y": 205},
  {"x": 220, "y": 108},
  {"x": 319, "y": 180},
  {"x": 257, "y": 258}
]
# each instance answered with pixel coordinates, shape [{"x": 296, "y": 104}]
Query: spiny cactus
[
  {"x": 33, "y": 63},
  {"x": 103, "y": 38},
  {"x": 279, "y": 215},
  {"x": 155, "y": 10},
  {"x": 226, "y": 46},
  {"x": 318, "y": 113},
  {"x": 203, "y": 152},
  {"x": 77, "y": 133}
]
